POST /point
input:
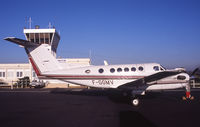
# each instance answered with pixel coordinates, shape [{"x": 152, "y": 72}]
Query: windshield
[{"x": 162, "y": 68}]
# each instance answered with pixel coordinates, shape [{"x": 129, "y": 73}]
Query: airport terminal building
[{"x": 12, "y": 72}]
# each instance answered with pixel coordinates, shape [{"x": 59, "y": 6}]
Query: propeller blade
[{"x": 193, "y": 73}]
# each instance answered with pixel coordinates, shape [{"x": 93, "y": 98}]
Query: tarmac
[{"x": 96, "y": 108}]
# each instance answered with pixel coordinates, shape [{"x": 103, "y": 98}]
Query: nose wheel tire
[{"x": 135, "y": 102}]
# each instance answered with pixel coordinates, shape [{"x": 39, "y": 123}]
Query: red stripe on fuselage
[
  {"x": 37, "y": 71},
  {"x": 91, "y": 77}
]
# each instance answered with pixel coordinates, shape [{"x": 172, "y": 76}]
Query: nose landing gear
[
  {"x": 187, "y": 93},
  {"x": 188, "y": 96}
]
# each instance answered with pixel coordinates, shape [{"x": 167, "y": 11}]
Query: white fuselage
[{"x": 112, "y": 76}]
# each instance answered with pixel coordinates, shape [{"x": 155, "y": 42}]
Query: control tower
[{"x": 43, "y": 36}]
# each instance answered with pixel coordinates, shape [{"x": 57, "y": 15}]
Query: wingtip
[{"x": 7, "y": 38}]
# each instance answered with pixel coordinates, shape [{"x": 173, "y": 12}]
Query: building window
[
  {"x": 26, "y": 73},
  {"x": 156, "y": 68},
  {"x": 10, "y": 74},
  {"x": 112, "y": 70},
  {"x": 140, "y": 68},
  {"x": 2, "y": 74},
  {"x": 119, "y": 70},
  {"x": 133, "y": 69},
  {"x": 19, "y": 74},
  {"x": 126, "y": 69},
  {"x": 101, "y": 70}
]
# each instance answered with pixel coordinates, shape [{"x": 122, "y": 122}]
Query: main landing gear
[{"x": 135, "y": 101}]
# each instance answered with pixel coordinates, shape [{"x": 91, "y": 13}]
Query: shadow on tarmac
[
  {"x": 132, "y": 118},
  {"x": 127, "y": 118},
  {"x": 96, "y": 107},
  {"x": 113, "y": 95}
]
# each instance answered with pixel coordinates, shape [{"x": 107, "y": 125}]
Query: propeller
[
  {"x": 188, "y": 89},
  {"x": 194, "y": 72}
]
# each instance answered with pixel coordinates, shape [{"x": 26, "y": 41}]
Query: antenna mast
[
  {"x": 90, "y": 55},
  {"x": 26, "y": 23},
  {"x": 49, "y": 25},
  {"x": 30, "y": 21}
]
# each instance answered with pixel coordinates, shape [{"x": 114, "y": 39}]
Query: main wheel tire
[{"x": 135, "y": 102}]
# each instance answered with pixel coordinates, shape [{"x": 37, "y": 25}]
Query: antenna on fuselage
[{"x": 105, "y": 63}]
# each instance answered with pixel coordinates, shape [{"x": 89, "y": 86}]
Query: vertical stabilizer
[
  {"x": 40, "y": 55},
  {"x": 42, "y": 59}
]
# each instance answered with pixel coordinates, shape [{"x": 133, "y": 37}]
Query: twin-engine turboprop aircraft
[{"x": 132, "y": 79}]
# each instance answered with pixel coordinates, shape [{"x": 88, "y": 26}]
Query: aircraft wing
[
  {"x": 143, "y": 82},
  {"x": 20, "y": 42}
]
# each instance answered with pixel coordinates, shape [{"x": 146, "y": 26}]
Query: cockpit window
[
  {"x": 156, "y": 68},
  {"x": 162, "y": 68}
]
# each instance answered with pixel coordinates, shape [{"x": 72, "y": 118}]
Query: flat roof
[{"x": 40, "y": 30}]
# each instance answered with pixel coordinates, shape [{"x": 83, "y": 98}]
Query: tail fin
[{"x": 39, "y": 55}]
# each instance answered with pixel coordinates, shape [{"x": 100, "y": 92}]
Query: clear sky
[{"x": 119, "y": 31}]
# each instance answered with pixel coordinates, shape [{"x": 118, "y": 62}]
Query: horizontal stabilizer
[{"x": 20, "y": 42}]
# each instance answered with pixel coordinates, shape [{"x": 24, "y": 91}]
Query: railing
[{"x": 195, "y": 85}]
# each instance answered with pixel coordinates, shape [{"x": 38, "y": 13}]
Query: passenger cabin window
[
  {"x": 156, "y": 68},
  {"x": 119, "y": 70},
  {"x": 133, "y": 69},
  {"x": 140, "y": 68},
  {"x": 87, "y": 71},
  {"x": 126, "y": 69},
  {"x": 101, "y": 70},
  {"x": 112, "y": 70}
]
